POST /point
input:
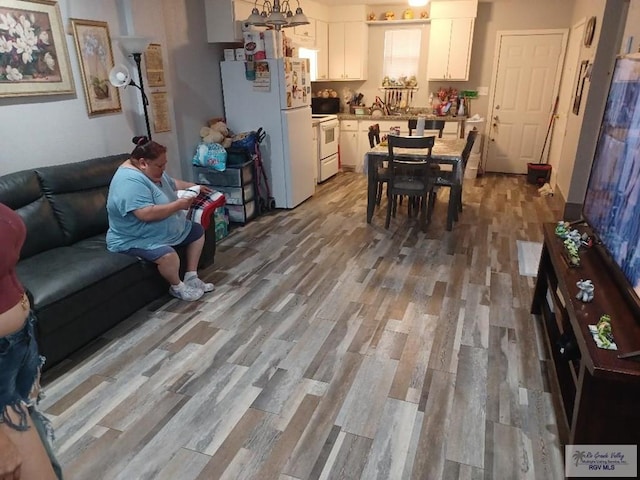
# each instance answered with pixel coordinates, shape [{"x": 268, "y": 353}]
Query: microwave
[{"x": 325, "y": 105}]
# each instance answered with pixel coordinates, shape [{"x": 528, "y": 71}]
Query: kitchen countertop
[{"x": 407, "y": 116}]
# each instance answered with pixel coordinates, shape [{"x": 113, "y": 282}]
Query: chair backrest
[
  {"x": 471, "y": 138},
  {"x": 416, "y": 167},
  {"x": 428, "y": 125}
]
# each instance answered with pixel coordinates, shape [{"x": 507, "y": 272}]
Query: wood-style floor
[{"x": 331, "y": 349}]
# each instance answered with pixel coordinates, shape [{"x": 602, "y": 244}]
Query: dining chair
[
  {"x": 445, "y": 177},
  {"x": 428, "y": 125},
  {"x": 410, "y": 175}
]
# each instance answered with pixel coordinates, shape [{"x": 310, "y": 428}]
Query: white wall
[
  {"x": 582, "y": 130},
  {"x": 50, "y": 130}
]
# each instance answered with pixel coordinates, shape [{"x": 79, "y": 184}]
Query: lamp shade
[
  {"x": 131, "y": 45},
  {"x": 276, "y": 18}
]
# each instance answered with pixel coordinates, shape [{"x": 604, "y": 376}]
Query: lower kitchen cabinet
[{"x": 349, "y": 144}]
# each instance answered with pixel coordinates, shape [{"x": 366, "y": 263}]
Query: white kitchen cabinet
[
  {"x": 348, "y": 51},
  {"x": 349, "y": 149},
  {"x": 224, "y": 19},
  {"x": 322, "y": 45},
  {"x": 450, "y": 48},
  {"x": 305, "y": 35}
]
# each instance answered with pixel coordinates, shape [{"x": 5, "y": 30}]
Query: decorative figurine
[
  {"x": 605, "y": 333},
  {"x": 562, "y": 229},
  {"x": 371, "y": 17},
  {"x": 586, "y": 289},
  {"x": 575, "y": 237},
  {"x": 572, "y": 251}
]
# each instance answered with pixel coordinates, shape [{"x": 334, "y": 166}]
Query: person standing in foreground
[
  {"x": 147, "y": 219},
  {"x": 24, "y": 454}
]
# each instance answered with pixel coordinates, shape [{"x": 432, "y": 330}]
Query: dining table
[{"x": 446, "y": 151}]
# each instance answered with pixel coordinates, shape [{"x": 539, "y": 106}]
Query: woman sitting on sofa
[{"x": 147, "y": 219}]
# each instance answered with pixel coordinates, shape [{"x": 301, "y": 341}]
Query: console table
[{"x": 600, "y": 393}]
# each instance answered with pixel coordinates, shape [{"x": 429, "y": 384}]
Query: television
[{"x": 612, "y": 202}]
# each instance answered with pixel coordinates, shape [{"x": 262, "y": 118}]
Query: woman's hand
[
  {"x": 184, "y": 203},
  {"x": 10, "y": 460}
]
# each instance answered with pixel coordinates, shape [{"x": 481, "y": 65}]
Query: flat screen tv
[{"x": 612, "y": 202}]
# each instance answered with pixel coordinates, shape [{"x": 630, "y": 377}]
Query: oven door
[{"x": 329, "y": 138}]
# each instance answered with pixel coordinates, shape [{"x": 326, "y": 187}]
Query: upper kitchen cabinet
[
  {"x": 305, "y": 35},
  {"x": 322, "y": 45},
  {"x": 348, "y": 50},
  {"x": 224, "y": 19},
  {"x": 450, "y": 39}
]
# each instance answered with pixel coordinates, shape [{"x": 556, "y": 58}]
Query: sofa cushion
[
  {"x": 21, "y": 192},
  {"x": 58, "y": 274},
  {"x": 78, "y": 194}
]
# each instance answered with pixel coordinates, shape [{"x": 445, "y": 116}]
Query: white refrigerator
[{"x": 278, "y": 100}]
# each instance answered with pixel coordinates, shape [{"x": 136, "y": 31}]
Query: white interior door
[{"x": 525, "y": 84}]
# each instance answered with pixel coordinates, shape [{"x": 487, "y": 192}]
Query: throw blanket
[{"x": 203, "y": 206}]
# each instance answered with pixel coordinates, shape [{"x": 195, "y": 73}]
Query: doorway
[{"x": 524, "y": 87}]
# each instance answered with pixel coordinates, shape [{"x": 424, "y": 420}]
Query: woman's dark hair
[{"x": 147, "y": 149}]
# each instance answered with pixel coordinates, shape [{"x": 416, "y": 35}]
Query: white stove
[
  {"x": 328, "y": 136},
  {"x": 323, "y": 116}
]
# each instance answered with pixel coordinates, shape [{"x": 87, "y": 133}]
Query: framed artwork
[
  {"x": 160, "y": 105},
  {"x": 153, "y": 62},
  {"x": 33, "y": 50},
  {"x": 93, "y": 44},
  {"x": 583, "y": 74}
]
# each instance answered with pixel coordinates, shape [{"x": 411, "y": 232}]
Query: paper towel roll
[{"x": 420, "y": 126}]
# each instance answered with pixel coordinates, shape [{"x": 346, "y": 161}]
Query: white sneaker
[
  {"x": 187, "y": 293},
  {"x": 195, "y": 282}
]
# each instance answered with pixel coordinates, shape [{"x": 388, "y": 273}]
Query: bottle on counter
[
  {"x": 461, "y": 107},
  {"x": 431, "y": 106}
]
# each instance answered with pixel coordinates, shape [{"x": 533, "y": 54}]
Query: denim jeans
[{"x": 20, "y": 366}]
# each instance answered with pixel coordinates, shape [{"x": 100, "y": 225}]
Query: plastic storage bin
[
  {"x": 233, "y": 176},
  {"x": 237, "y": 195},
  {"x": 242, "y": 213}
]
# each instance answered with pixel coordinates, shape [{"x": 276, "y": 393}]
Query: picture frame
[
  {"x": 93, "y": 45},
  {"x": 154, "y": 65},
  {"x": 160, "y": 106},
  {"x": 44, "y": 67},
  {"x": 583, "y": 73}
]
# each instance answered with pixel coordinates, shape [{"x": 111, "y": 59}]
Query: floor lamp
[{"x": 134, "y": 47}]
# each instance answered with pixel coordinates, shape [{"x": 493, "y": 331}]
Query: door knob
[{"x": 497, "y": 107}]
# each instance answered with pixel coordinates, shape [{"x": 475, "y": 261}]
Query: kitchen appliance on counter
[
  {"x": 328, "y": 137},
  {"x": 323, "y": 106},
  {"x": 277, "y": 101}
]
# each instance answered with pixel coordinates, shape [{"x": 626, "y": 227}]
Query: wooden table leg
[{"x": 371, "y": 186}]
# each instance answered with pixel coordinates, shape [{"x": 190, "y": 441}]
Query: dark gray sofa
[{"x": 78, "y": 288}]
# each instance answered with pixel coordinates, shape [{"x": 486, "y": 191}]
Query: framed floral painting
[
  {"x": 93, "y": 44},
  {"x": 33, "y": 50}
]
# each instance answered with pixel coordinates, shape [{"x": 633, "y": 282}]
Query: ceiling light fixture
[
  {"x": 276, "y": 14},
  {"x": 418, "y": 3}
]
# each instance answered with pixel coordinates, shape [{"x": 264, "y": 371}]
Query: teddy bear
[{"x": 216, "y": 132}]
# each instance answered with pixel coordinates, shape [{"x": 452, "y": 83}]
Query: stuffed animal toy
[{"x": 216, "y": 132}]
